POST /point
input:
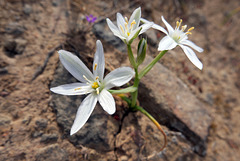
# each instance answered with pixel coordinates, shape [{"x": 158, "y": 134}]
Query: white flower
[
  {"x": 127, "y": 30},
  {"x": 92, "y": 83},
  {"x": 176, "y": 37}
]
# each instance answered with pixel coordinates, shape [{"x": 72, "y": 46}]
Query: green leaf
[{"x": 125, "y": 90}]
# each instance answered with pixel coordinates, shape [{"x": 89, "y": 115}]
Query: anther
[
  {"x": 95, "y": 66},
  {"x": 180, "y": 22},
  {"x": 97, "y": 77},
  {"x": 126, "y": 19},
  {"x": 77, "y": 89},
  {"x": 121, "y": 28},
  {"x": 184, "y": 27},
  {"x": 177, "y": 24},
  {"x": 132, "y": 24},
  {"x": 128, "y": 33},
  {"x": 88, "y": 81},
  {"x": 85, "y": 77},
  {"x": 190, "y": 29},
  {"x": 125, "y": 25}
]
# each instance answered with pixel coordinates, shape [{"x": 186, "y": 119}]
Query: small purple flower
[{"x": 91, "y": 18}]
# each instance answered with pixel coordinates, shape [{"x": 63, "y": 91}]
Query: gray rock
[
  {"x": 102, "y": 32},
  {"x": 49, "y": 138},
  {"x": 50, "y": 153},
  {"x": 15, "y": 29},
  {"x": 41, "y": 124},
  {"x": 151, "y": 37},
  {"x": 14, "y": 47},
  {"x": 3, "y": 71}
]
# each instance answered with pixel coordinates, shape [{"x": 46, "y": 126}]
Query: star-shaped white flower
[
  {"x": 178, "y": 37},
  {"x": 91, "y": 83},
  {"x": 127, "y": 30}
]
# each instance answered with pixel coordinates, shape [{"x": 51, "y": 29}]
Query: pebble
[
  {"x": 41, "y": 124},
  {"x": 27, "y": 9},
  {"x": 49, "y": 138}
]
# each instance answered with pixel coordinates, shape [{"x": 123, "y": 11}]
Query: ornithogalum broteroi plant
[{"x": 98, "y": 88}]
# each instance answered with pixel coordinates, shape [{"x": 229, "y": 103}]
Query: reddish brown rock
[{"x": 171, "y": 102}]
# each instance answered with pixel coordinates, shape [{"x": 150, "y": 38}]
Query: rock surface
[
  {"x": 27, "y": 116},
  {"x": 172, "y": 103}
]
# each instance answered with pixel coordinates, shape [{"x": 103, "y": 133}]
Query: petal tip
[{"x": 72, "y": 132}]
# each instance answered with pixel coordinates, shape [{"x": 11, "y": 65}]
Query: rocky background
[{"x": 199, "y": 110}]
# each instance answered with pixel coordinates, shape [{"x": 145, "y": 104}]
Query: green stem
[
  {"x": 155, "y": 122},
  {"x": 149, "y": 66},
  {"x": 135, "y": 94},
  {"x": 130, "y": 56}
]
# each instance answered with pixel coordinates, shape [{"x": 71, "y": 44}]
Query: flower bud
[{"x": 141, "y": 53}]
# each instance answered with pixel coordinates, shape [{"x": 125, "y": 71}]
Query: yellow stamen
[
  {"x": 97, "y": 77},
  {"x": 132, "y": 24},
  {"x": 180, "y": 22},
  {"x": 121, "y": 28},
  {"x": 128, "y": 33},
  {"x": 184, "y": 27},
  {"x": 188, "y": 33},
  {"x": 125, "y": 25},
  {"x": 85, "y": 78},
  {"x": 190, "y": 29},
  {"x": 126, "y": 19},
  {"x": 97, "y": 90},
  {"x": 177, "y": 24},
  {"x": 95, "y": 66},
  {"x": 77, "y": 89},
  {"x": 95, "y": 85}
]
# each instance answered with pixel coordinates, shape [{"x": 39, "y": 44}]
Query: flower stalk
[
  {"x": 155, "y": 122},
  {"x": 149, "y": 66}
]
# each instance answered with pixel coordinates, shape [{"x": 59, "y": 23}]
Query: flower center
[
  {"x": 178, "y": 34},
  {"x": 95, "y": 85},
  {"x": 125, "y": 30}
]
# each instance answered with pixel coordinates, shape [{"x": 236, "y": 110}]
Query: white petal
[
  {"x": 136, "y": 15},
  {"x": 72, "y": 89},
  {"x": 74, "y": 65},
  {"x": 132, "y": 34},
  {"x": 84, "y": 112},
  {"x": 118, "y": 77},
  {"x": 160, "y": 28},
  {"x": 107, "y": 102},
  {"x": 169, "y": 27},
  {"x": 145, "y": 27},
  {"x": 99, "y": 62},
  {"x": 155, "y": 26},
  {"x": 120, "y": 21},
  {"x": 167, "y": 43},
  {"x": 192, "y": 45},
  {"x": 192, "y": 56},
  {"x": 112, "y": 27},
  {"x": 143, "y": 20}
]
